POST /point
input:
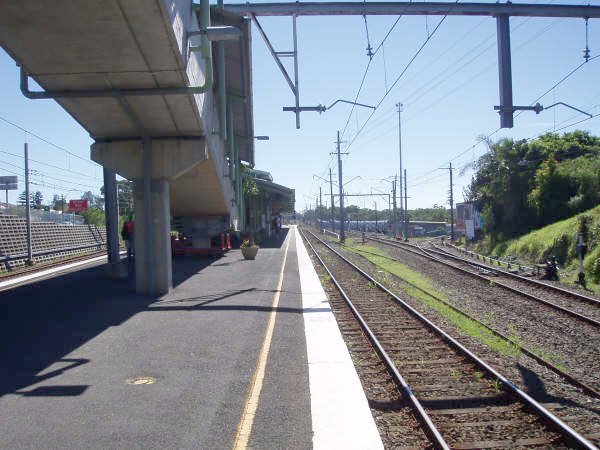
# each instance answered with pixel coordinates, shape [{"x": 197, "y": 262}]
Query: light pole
[{"x": 402, "y": 218}]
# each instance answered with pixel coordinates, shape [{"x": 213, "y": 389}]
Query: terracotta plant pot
[{"x": 249, "y": 252}]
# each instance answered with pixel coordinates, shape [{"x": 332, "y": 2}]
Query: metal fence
[{"x": 39, "y": 215}]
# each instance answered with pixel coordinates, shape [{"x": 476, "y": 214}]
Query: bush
[
  {"x": 94, "y": 216},
  {"x": 596, "y": 271}
]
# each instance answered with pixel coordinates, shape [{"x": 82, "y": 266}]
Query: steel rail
[
  {"x": 423, "y": 253},
  {"x": 8, "y": 258},
  {"x": 541, "y": 284},
  {"x": 410, "y": 8},
  {"x": 432, "y": 430},
  {"x": 29, "y": 270},
  {"x": 590, "y": 390},
  {"x": 516, "y": 290},
  {"x": 527, "y": 399}
]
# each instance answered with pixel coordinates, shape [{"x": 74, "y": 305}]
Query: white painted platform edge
[
  {"x": 44, "y": 273},
  {"x": 341, "y": 417}
]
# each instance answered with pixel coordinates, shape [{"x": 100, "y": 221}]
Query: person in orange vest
[{"x": 127, "y": 233}]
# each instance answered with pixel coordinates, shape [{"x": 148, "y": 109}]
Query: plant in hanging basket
[{"x": 249, "y": 249}]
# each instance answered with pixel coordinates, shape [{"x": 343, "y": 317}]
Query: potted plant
[{"x": 249, "y": 249}]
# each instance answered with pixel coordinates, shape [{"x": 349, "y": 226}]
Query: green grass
[
  {"x": 534, "y": 247},
  {"x": 423, "y": 283}
]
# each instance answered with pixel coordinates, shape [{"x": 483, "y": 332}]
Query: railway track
[
  {"x": 27, "y": 270},
  {"x": 572, "y": 298},
  {"x": 461, "y": 402},
  {"x": 569, "y": 303}
]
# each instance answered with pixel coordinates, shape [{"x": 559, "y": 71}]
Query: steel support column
[{"x": 504, "y": 72}]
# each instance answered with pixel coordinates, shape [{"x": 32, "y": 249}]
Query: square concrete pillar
[{"x": 153, "y": 270}]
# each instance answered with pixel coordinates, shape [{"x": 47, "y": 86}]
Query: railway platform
[{"x": 241, "y": 354}]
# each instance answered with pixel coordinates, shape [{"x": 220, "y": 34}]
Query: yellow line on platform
[{"x": 247, "y": 420}]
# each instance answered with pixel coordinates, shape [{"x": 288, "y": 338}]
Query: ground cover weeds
[{"x": 430, "y": 298}]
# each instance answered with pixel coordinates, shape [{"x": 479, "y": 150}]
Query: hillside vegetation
[
  {"x": 523, "y": 185},
  {"x": 560, "y": 239},
  {"x": 550, "y": 184}
]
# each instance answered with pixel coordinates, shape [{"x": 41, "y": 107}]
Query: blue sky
[{"x": 448, "y": 94}]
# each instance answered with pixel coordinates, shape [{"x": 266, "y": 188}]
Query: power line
[
  {"x": 567, "y": 76},
  {"x": 444, "y": 73},
  {"x": 379, "y": 47},
  {"x": 54, "y": 167},
  {"x": 54, "y": 186},
  {"x": 47, "y": 141},
  {"x": 562, "y": 80},
  {"x": 398, "y": 79}
]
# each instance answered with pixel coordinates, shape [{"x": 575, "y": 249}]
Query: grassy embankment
[{"x": 560, "y": 239}]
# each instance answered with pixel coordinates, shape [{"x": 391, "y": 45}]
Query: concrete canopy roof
[
  {"x": 282, "y": 196},
  {"x": 67, "y": 46}
]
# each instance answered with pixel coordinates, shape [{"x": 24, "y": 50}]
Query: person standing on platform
[
  {"x": 278, "y": 225},
  {"x": 127, "y": 233}
]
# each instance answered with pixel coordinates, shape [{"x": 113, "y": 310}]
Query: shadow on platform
[
  {"x": 275, "y": 241},
  {"x": 44, "y": 321},
  {"x": 49, "y": 319}
]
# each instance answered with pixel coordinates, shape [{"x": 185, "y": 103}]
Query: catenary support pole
[
  {"x": 332, "y": 202},
  {"x": 320, "y": 209},
  {"x": 405, "y": 209},
  {"x": 342, "y": 218},
  {"x": 504, "y": 71},
  {"x": 395, "y": 207},
  {"x": 28, "y": 207},
  {"x": 399, "y": 106},
  {"x": 451, "y": 205}
]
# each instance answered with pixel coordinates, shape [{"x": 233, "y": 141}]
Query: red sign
[{"x": 78, "y": 205}]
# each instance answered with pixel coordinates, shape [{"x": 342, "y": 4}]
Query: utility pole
[
  {"x": 376, "y": 221},
  {"x": 405, "y": 209},
  {"x": 395, "y": 210},
  {"x": 320, "y": 210},
  {"x": 451, "y": 205},
  {"x": 332, "y": 202},
  {"x": 399, "y": 106},
  {"x": 27, "y": 208},
  {"x": 342, "y": 218}
]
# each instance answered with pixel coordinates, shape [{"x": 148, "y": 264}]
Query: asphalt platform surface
[{"x": 70, "y": 344}]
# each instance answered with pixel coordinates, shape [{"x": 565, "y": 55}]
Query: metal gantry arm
[
  {"x": 538, "y": 108},
  {"x": 277, "y": 57},
  {"x": 500, "y": 11}
]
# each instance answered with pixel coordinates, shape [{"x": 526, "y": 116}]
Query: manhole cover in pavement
[{"x": 141, "y": 380}]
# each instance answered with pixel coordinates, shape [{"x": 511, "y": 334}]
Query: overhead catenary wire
[
  {"x": 87, "y": 176},
  {"x": 58, "y": 147},
  {"x": 489, "y": 135},
  {"x": 43, "y": 175},
  {"x": 397, "y": 79},
  {"x": 379, "y": 47},
  {"x": 444, "y": 73}
]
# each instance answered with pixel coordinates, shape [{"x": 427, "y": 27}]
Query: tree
[
  {"x": 124, "y": 197},
  {"x": 38, "y": 198},
  {"x": 551, "y": 193},
  {"x": 520, "y": 185},
  {"x": 58, "y": 203},
  {"x": 22, "y": 201},
  {"x": 94, "y": 216},
  {"x": 94, "y": 201}
]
